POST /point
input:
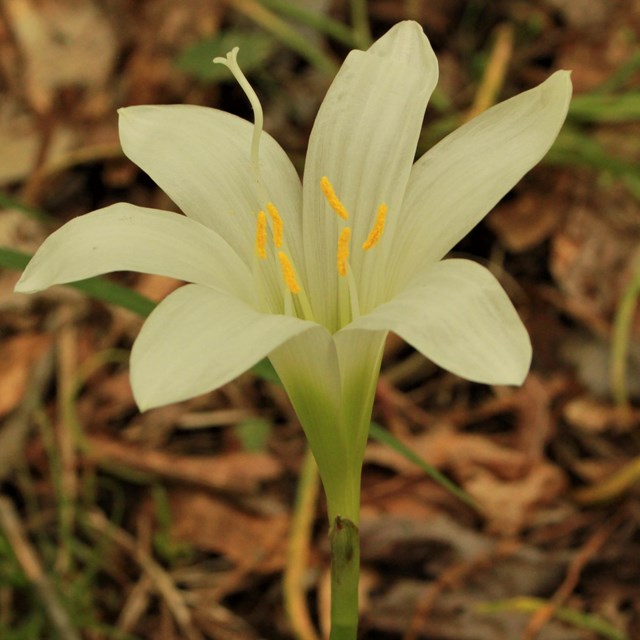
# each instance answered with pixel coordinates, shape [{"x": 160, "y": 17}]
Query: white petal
[
  {"x": 458, "y": 315},
  {"x": 124, "y": 237},
  {"x": 462, "y": 178},
  {"x": 200, "y": 157},
  {"x": 198, "y": 339},
  {"x": 364, "y": 140}
]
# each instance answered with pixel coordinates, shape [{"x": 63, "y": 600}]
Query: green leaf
[
  {"x": 97, "y": 288},
  {"x": 316, "y": 20},
  {"x": 578, "y": 148},
  {"x": 9, "y": 202},
  {"x": 595, "y": 107},
  {"x": 253, "y": 433},
  {"x": 571, "y": 616},
  {"x": 197, "y": 60}
]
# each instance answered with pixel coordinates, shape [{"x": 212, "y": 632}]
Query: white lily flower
[{"x": 315, "y": 275}]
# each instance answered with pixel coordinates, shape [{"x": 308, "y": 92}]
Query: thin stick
[
  {"x": 612, "y": 486},
  {"x": 66, "y": 441},
  {"x": 494, "y": 73},
  {"x": 18, "y": 424},
  {"x": 622, "y": 326},
  {"x": 579, "y": 562},
  {"x": 30, "y": 563},
  {"x": 159, "y": 577},
  {"x": 297, "y": 558}
]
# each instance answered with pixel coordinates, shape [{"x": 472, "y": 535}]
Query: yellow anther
[
  {"x": 332, "y": 198},
  {"x": 261, "y": 235},
  {"x": 378, "y": 227},
  {"x": 278, "y": 225},
  {"x": 343, "y": 250},
  {"x": 288, "y": 273}
]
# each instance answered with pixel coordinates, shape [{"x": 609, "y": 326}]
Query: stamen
[
  {"x": 288, "y": 273},
  {"x": 332, "y": 198},
  {"x": 343, "y": 250},
  {"x": 278, "y": 225},
  {"x": 378, "y": 227},
  {"x": 231, "y": 62},
  {"x": 261, "y": 235}
]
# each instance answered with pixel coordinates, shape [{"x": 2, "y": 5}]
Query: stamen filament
[
  {"x": 288, "y": 273},
  {"x": 343, "y": 250},
  {"x": 261, "y": 235},
  {"x": 332, "y": 198},
  {"x": 378, "y": 227},
  {"x": 278, "y": 225}
]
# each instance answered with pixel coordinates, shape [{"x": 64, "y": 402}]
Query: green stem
[{"x": 344, "y": 539}]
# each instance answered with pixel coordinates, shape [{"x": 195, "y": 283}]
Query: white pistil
[
  {"x": 295, "y": 298},
  {"x": 231, "y": 62},
  {"x": 353, "y": 295}
]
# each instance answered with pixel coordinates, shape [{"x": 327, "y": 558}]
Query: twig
[
  {"x": 160, "y": 578},
  {"x": 528, "y": 604},
  {"x": 30, "y": 563},
  {"x": 136, "y": 604},
  {"x": 299, "y": 540},
  {"x": 611, "y": 487},
  {"x": 449, "y": 579},
  {"x": 17, "y": 426},
  {"x": 494, "y": 72},
  {"x": 582, "y": 558},
  {"x": 622, "y": 327},
  {"x": 66, "y": 441}
]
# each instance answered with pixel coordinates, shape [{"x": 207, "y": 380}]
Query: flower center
[
  {"x": 295, "y": 298},
  {"x": 348, "y": 303}
]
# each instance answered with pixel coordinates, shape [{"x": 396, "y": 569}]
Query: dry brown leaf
[
  {"x": 525, "y": 222},
  {"x": 156, "y": 287},
  {"x": 454, "y": 616},
  {"x": 509, "y": 505},
  {"x": 258, "y": 543},
  {"x": 20, "y": 141},
  {"x": 592, "y": 256},
  {"x": 17, "y": 356},
  {"x": 63, "y": 43},
  {"x": 239, "y": 471},
  {"x": 596, "y": 416},
  {"x": 463, "y": 453}
]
